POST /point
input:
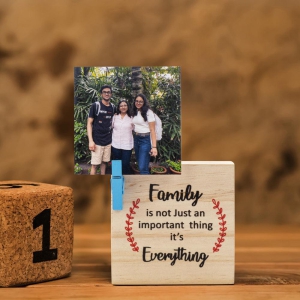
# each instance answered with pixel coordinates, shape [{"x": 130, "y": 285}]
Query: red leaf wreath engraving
[
  {"x": 128, "y": 228},
  {"x": 222, "y": 223}
]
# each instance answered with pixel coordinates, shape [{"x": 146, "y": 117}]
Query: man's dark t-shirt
[{"x": 102, "y": 132}]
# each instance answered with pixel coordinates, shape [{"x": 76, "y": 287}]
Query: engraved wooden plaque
[{"x": 176, "y": 229}]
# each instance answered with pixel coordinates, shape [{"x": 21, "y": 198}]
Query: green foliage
[
  {"x": 175, "y": 165},
  {"x": 166, "y": 104},
  {"x": 81, "y": 142},
  {"x": 161, "y": 85},
  {"x": 86, "y": 92},
  {"x": 77, "y": 169}
]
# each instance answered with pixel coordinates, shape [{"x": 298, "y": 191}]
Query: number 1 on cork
[{"x": 46, "y": 253}]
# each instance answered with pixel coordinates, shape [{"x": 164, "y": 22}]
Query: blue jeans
[
  {"x": 124, "y": 156},
  {"x": 142, "y": 147}
]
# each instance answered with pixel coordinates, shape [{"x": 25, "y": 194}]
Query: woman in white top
[
  {"x": 144, "y": 133},
  {"x": 122, "y": 139}
]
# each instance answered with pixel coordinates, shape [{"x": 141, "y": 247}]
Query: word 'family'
[{"x": 181, "y": 195}]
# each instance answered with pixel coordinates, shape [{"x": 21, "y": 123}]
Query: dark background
[{"x": 240, "y": 63}]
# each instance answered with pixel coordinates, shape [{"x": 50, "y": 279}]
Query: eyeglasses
[
  {"x": 125, "y": 105},
  {"x": 106, "y": 92},
  {"x": 139, "y": 102}
]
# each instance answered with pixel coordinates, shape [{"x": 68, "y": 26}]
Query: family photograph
[{"x": 132, "y": 114}]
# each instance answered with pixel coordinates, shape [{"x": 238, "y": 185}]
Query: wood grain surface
[
  {"x": 185, "y": 238},
  {"x": 240, "y": 63},
  {"x": 267, "y": 267}
]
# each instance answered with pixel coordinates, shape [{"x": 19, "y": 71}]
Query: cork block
[
  {"x": 176, "y": 229},
  {"x": 36, "y": 232}
]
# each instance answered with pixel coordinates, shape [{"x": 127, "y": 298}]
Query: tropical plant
[
  {"x": 86, "y": 91},
  {"x": 81, "y": 142},
  {"x": 166, "y": 104},
  {"x": 77, "y": 169},
  {"x": 175, "y": 165},
  {"x": 161, "y": 85}
]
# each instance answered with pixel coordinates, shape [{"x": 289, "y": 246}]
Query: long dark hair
[
  {"x": 128, "y": 110},
  {"x": 144, "y": 108}
]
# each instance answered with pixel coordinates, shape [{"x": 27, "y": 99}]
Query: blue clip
[{"x": 117, "y": 185}]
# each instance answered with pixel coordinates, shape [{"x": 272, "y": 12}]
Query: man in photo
[{"x": 99, "y": 130}]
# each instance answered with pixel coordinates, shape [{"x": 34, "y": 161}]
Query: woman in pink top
[{"x": 122, "y": 139}]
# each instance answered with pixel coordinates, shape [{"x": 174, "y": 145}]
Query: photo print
[{"x": 132, "y": 114}]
